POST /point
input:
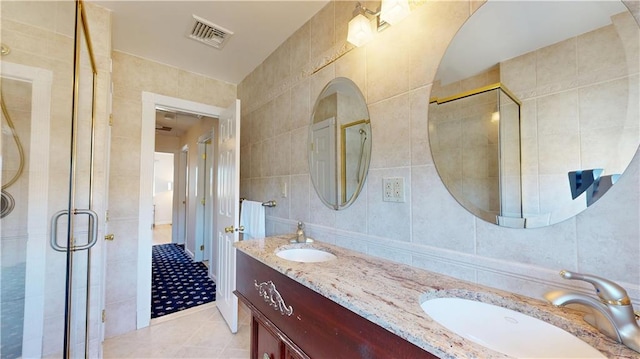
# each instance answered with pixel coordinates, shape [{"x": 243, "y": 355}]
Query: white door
[
  {"x": 203, "y": 212},
  {"x": 210, "y": 193},
  {"x": 181, "y": 195},
  {"x": 323, "y": 158},
  {"x": 206, "y": 195},
  {"x": 227, "y": 214}
]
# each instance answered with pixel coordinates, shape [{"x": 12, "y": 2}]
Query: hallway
[{"x": 199, "y": 332}]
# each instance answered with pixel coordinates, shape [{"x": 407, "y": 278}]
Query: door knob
[{"x": 230, "y": 229}]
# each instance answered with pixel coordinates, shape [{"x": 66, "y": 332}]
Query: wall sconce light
[
  {"x": 394, "y": 10},
  {"x": 360, "y": 29}
]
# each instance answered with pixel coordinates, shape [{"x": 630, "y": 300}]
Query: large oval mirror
[
  {"x": 340, "y": 143},
  {"x": 534, "y": 109}
]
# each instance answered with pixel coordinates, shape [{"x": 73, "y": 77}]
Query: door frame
[
  {"x": 204, "y": 204},
  {"x": 180, "y": 198},
  {"x": 35, "y": 290},
  {"x": 145, "y": 211}
]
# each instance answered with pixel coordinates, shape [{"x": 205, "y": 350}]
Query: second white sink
[
  {"x": 305, "y": 255},
  {"x": 505, "y": 330}
]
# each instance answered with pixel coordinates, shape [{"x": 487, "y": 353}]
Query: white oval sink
[
  {"x": 506, "y": 331},
  {"x": 305, "y": 255}
]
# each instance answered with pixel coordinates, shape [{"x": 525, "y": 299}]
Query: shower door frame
[{"x": 38, "y": 224}]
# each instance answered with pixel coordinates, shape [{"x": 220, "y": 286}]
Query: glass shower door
[{"x": 47, "y": 224}]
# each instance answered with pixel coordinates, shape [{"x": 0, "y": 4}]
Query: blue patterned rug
[{"x": 177, "y": 282}]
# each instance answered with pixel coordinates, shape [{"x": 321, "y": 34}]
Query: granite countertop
[{"x": 389, "y": 294}]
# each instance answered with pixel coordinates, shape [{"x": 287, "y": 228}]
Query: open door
[
  {"x": 204, "y": 196},
  {"x": 323, "y": 159},
  {"x": 227, "y": 214}
]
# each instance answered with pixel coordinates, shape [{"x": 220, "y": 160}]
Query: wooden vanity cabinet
[
  {"x": 317, "y": 327},
  {"x": 268, "y": 342}
]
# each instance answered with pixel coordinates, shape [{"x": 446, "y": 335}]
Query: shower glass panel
[
  {"x": 44, "y": 292},
  {"x": 355, "y": 147},
  {"x": 476, "y": 147},
  {"x": 16, "y": 125}
]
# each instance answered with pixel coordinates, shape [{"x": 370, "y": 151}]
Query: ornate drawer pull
[{"x": 268, "y": 291}]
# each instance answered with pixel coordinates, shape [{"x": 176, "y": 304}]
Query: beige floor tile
[
  {"x": 231, "y": 353},
  {"x": 162, "y": 234},
  {"x": 198, "y": 352},
  {"x": 199, "y": 332}
]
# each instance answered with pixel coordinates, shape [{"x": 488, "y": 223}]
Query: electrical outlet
[{"x": 393, "y": 189}]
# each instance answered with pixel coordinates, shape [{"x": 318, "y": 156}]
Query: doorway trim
[
  {"x": 145, "y": 211},
  {"x": 203, "y": 234},
  {"x": 179, "y": 230}
]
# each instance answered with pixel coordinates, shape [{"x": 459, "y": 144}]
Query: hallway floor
[
  {"x": 162, "y": 234},
  {"x": 200, "y": 332}
]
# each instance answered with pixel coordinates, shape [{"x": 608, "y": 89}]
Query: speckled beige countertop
[{"x": 389, "y": 294}]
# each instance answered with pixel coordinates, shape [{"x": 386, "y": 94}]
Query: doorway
[{"x": 150, "y": 102}]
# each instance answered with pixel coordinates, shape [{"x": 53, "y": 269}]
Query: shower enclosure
[
  {"x": 475, "y": 142},
  {"x": 49, "y": 304}
]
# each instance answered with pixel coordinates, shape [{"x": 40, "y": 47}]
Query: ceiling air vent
[{"x": 208, "y": 33}]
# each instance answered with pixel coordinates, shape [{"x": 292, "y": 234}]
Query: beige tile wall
[
  {"x": 431, "y": 230},
  {"x": 580, "y": 116},
  {"x": 131, "y": 76}
]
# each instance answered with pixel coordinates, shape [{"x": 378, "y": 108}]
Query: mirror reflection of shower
[
  {"x": 475, "y": 143},
  {"x": 356, "y": 145},
  {"x": 363, "y": 136},
  {"x": 7, "y": 203}
]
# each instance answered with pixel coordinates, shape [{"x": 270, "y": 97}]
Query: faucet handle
[{"x": 608, "y": 291}]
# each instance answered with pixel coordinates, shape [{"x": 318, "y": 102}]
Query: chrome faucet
[
  {"x": 301, "y": 237},
  {"x": 613, "y": 303}
]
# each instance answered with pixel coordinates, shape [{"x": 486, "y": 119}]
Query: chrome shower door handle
[
  {"x": 53, "y": 230},
  {"x": 53, "y": 235},
  {"x": 93, "y": 225}
]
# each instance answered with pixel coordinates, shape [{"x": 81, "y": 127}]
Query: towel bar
[{"x": 271, "y": 203}]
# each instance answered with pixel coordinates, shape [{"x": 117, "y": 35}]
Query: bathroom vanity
[
  {"x": 359, "y": 306},
  {"x": 300, "y": 323}
]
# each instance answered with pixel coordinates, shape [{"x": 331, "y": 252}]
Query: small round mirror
[{"x": 339, "y": 143}]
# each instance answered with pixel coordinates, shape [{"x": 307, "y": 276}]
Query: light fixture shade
[
  {"x": 360, "y": 31},
  {"x": 393, "y": 11}
]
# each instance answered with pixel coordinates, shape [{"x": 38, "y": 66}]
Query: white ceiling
[
  {"x": 174, "y": 124},
  {"x": 156, "y": 30}
]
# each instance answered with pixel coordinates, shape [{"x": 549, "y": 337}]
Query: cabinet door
[{"x": 267, "y": 344}]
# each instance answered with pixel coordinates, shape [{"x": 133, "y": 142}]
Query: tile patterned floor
[{"x": 199, "y": 332}]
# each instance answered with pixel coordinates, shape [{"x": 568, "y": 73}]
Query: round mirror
[
  {"x": 534, "y": 110},
  {"x": 340, "y": 143}
]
